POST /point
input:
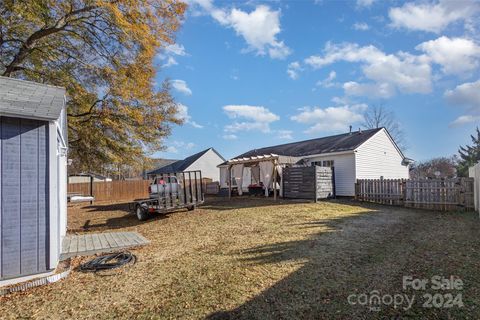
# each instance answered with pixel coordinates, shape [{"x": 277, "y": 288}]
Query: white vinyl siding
[
  {"x": 208, "y": 163},
  {"x": 378, "y": 157},
  {"x": 344, "y": 165}
]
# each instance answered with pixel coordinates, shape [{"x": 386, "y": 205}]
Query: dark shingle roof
[
  {"x": 181, "y": 165},
  {"x": 159, "y": 163},
  {"x": 30, "y": 99},
  {"x": 337, "y": 143}
]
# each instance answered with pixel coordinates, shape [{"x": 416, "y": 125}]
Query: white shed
[
  {"x": 368, "y": 154},
  {"x": 33, "y": 179}
]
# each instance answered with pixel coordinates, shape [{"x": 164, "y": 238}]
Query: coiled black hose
[{"x": 108, "y": 262}]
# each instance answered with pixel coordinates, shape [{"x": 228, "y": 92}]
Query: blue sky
[{"x": 253, "y": 74}]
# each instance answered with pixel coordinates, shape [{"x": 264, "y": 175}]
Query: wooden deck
[{"x": 93, "y": 243}]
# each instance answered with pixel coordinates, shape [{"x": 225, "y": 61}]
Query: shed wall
[{"x": 24, "y": 189}]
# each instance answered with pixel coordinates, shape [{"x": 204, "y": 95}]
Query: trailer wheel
[
  {"x": 191, "y": 208},
  {"x": 142, "y": 214}
]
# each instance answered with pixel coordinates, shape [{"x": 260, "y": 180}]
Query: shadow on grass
[
  {"x": 319, "y": 289},
  {"x": 349, "y": 255},
  {"x": 245, "y": 202},
  {"x": 128, "y": 219}
]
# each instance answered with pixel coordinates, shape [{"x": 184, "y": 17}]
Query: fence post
[
  {"x": 356, "y": 189},
  {"x": 91, "y": 189}
]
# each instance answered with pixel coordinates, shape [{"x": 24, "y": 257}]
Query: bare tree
[
  {"x": 378, "y": 116},
  {"x": 442, "y": 167}
]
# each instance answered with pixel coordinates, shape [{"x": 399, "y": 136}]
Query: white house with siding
[
  {"x": 206, "y": 161},
  {"x": 33, "y": 179},
  {"x": 367, "y": 154}
]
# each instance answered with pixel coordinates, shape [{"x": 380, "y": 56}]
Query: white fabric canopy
[
  {"x": 255, "y": 174},
  {"x": 266, "y": 173},
  {"x": 237, "y": 173},
  {"x": 279, "y": 171}
]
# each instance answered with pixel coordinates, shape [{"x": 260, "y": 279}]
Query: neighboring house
[
  {"x": 86, "y": 178},
  {"x": 33, "y": 179},
  {"x": 206, "y": 161},
  {"x": 367, "y": 154},
  {"x": 157, "y": 164}
]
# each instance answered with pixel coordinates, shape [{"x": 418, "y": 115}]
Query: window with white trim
[{"x": 324, "y": 163}]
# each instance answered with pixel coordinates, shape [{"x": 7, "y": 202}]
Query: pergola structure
[{"x": 276, "y": 161}]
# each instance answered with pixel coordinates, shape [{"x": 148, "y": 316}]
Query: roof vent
[
  {"x": 360, "y": 130},
  {"x": 350, "y": 129}
]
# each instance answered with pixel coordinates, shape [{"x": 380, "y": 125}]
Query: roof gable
[
  {"x": 27, "y": 99},
  {"x": 182, "y": 165},
  {"x": 330, "y": 144},
  {"x": 389, "y": 136}
]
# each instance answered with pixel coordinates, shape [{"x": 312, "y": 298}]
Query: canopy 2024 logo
[{"x": 447, "y": 295}]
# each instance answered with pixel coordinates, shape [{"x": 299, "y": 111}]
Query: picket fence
[{"x": 433, "y": 194}]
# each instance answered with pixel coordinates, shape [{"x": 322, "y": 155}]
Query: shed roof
[
  {"x": 182, "y": 165},
  {"x": 27, "y": 99},
  {"x": 337, "y": 143}
]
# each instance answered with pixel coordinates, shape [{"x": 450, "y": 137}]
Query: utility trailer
[{"x": 169, "y": 192}]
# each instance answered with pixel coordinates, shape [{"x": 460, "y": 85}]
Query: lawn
[{"x": 255, "y": 258}]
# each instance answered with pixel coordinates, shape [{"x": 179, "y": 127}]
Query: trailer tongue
[{"x": 171, "y": 191}]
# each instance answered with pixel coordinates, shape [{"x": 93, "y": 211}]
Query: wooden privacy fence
[
  {"x": 432, "y": 194},
  {"x": 127, "y": 190},
  {"x": 113, "y": 190},
  {"x": 212, "y": 187},
  {"x": 308, "y": 182},
  {"x": 385, "y": 191}
]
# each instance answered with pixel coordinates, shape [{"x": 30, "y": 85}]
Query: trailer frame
[{"x": 189, "y": 194}]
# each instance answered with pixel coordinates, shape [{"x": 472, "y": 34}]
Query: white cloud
[
  {"x": 401, "y": 71},
  {"x": 433, "y": 17},
  {"x": 361, "y": 26},
  {"x": 169, "y": 52},
  {"x": 455, "y": 55},
  {"x": 248, "y": 126},
  {"x": 293, "y": 69},
  {"x": 170, "y": 62},
  {"x": 379, "y": 90},
  {"x": 350, "y": 52},
  {"x": 259, "y": 28},
  {"x": 340, "y": 100},
  {"x": 176, "y": 146},
  {"x": 181, "y": 86},
  {"x": 195, "y": 124},
  {"x": 230, "y": 137},
  {"x": 186, "y": 145},
  {"x": 182, "y": 114},
  {"x": 171, "y": 149},
  {"x": 285, "y": 134},
  {"x": 175, "y": 49},
  {"x": 365, "y": 3},
  {"x": 251, "y": 118},
  {"x": 328, "y": 81},
  {"x": 256, "y": 113},
  {"x": 468, "y": 96},
  {"x": 331, "y": 118},
  {"x": 466, "y": 119}
]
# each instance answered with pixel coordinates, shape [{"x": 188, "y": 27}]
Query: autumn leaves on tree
[{"x": 103, "y": 53}]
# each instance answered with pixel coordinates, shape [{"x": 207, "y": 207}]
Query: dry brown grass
[{"x": 253, "y": 258}]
